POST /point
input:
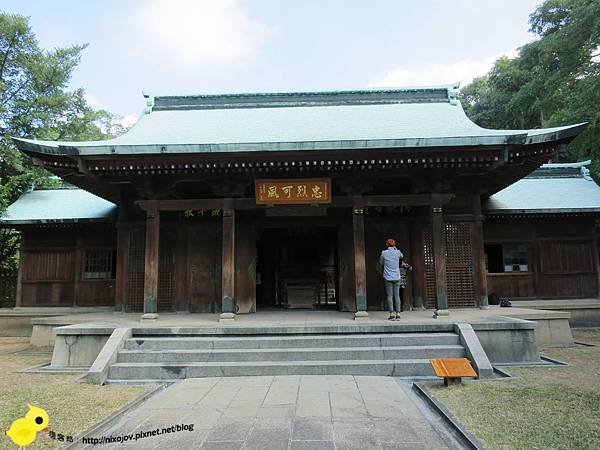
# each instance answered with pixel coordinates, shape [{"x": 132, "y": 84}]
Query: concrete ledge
[
  {"x": 98, "y": 373},
  {"x": 474, "y": 350},
  {"x": 469, "y": 441},
  {"x": 584, "y": 312},
  {"x": 241, "y": 330},
  {"x": 75, "y": 345},
  {"x": 509, "y": 341},
  {"x": 108, "y": 422},
  {"x": 552, "y": 326},
  {"x": 16, "y": 321}
]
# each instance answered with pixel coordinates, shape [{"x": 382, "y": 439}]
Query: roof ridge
[{"x": 429, "y": 94}]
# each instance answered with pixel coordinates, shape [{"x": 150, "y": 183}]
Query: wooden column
[
  {"x": 418, "y": 263},
  {"x": 151, "y": 262},
  {"x": 438, "y": 235},
  {"x": 360, "y": 270},
  {"x": 19, "y": 293},
  {"x": 477, "y": 242},
  {"x": 122, "y": 260},
  {"x": 596, "y": 256},
  {"x": 78, "y": 268},
  {"x": 228, "y": 262}
]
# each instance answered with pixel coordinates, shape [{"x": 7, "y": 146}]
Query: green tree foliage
[
  {"x": 35, "y": 102},
  {"x": 554, "y": 80}
]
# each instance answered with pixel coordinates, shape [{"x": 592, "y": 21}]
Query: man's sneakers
[{"x": 394, "y": 316}]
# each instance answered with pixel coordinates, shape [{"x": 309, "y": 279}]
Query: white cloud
[
  {"x": 190, "y": 33},
  {"x": 463, "y": 70},
  {"x": 93, "y": 101}
]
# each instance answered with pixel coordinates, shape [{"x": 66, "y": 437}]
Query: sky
[{"x": 227, "y": 46}]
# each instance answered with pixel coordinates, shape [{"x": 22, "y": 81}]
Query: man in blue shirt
[{"x": 391, "y": 261}]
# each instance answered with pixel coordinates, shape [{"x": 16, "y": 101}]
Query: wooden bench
[{"x": 453, "y": 369}]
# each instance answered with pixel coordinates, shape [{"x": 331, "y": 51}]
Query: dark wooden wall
[
  {"x": 377, "y": 230},
  {"x": 563, "y": 259},
  {"x": 52, "y": 264}
]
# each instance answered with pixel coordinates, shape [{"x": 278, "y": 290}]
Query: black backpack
[
  {"x": 493, "y": 299},
  {"x": 504, "y": 303}
]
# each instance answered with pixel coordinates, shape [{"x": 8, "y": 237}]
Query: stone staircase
[{"x": 170, "y": 357}]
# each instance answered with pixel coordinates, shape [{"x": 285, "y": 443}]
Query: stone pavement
[{"x": 283, "y": 412}]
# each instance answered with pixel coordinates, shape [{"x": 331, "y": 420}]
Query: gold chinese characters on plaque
[{"x": 293, "y": 192}]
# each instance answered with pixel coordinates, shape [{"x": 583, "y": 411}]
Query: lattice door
[
  {"x": 459, "y": 266},
  {"x": 430, "y": 301},
  {"x": 166, "y": 269},
  {"x": 135, "y": 270}
]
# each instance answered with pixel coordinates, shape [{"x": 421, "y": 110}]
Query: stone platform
[
  {"x": 584, "y": 312},
  {"x": 193, "y": 344},
  {"x": 17, "y": 321}
]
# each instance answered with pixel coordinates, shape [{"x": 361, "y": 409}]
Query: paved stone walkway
[{"x": 282, "y": 412}]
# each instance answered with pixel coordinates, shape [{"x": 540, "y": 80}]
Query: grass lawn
[
  {"x": 72, "y": 406},
  {"x": 546, "y": 408}
]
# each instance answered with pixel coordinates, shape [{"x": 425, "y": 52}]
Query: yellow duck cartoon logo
[{"x": 23, "y": 431}]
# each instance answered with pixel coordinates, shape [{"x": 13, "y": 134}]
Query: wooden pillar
[
  {"x": 121, "y": 273},
  {"x": 418, "y": 263},
  {"x": 151, "y": 262},
  {"x": 595, "y": 255},
  {"x": 360, "y": 270},
  {"x": 19, "y": 292},
  {"x": 477, "y": 242},
  {"x": 78, "y": 268},
  {"x": 438, "y": 240},
  {"x": 228, "y": 263}
]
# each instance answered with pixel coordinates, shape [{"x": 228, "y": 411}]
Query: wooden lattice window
[
  {"x": 459, "y": 266},
  {"x": 100, "y": 264}
]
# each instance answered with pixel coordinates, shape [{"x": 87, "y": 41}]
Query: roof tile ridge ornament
[
  {"x": 453, "y": 92},
  {"x": 149, "y": 102},
  {"x": 585, "y": 173}
]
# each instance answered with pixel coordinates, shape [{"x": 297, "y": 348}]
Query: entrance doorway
[{"x": 297, "y": 268}]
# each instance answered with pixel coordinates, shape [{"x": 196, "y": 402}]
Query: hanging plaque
[{"x": 293, "y": 191}]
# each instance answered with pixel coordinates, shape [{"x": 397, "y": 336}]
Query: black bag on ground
[{"x": 493, "y": 299}]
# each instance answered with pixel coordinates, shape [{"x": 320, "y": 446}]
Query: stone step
[
  {"x": 291, "y": 341},
  {"x": 292, "y": 354},
  {"x": 160, "y": 371}
]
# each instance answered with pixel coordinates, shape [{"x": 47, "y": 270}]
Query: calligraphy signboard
[{"x": 293, "y": 191}]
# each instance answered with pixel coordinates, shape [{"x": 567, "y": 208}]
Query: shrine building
[{"x": 238, "y": 203}]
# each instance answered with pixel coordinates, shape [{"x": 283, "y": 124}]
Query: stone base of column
[
  {"x": 227, "y": 318},
  {"x": 440, "y": 312},
  {"x": 361, "y": 315},
  {"x": 149, "y": 317},
  {"x": 483, "y": 302}
]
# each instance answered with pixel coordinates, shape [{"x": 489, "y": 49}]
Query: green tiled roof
[
  {"x": 554, "y": 188},
  {"x": 383, "y": 118},
  {"x": 58, "y": 205}
]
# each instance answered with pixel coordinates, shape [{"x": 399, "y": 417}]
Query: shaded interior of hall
[{"x": 297, "y": 268}]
